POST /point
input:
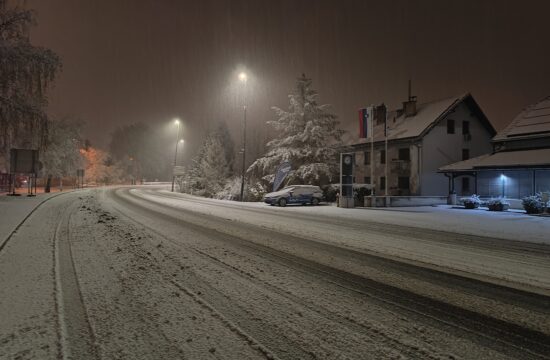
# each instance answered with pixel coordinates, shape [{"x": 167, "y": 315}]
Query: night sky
[{"x": 148, "y": 61}]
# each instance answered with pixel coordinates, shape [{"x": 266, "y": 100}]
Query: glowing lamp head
[
  {"x": 181, "y": 141},
  {"x": 177, "y": 121},
  {"x": 243, "y": 77}
]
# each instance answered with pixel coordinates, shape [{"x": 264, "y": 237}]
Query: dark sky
[{"x": 150, "y": 60}]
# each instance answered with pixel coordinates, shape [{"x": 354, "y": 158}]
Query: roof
[
  {"x": 427, "y": 116},
  {"x": 502, "y": 160},
  {"x": 533, "y": 121}
]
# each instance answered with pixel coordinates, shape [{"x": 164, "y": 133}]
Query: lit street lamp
[
  {"x": 177, "y": 122},
  {"x": 243, "y": 78}
]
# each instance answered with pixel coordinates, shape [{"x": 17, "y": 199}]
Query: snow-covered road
[{"x": 141, "y": 273}]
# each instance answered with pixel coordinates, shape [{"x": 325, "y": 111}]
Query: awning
[{"x": 535, "y": 158}]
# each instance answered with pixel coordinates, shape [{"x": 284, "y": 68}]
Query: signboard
[
  {"x": 346, "y": 174},
  {"x": 23, "y": 161},
  {"x": 80, "y": 172},
  {"x": 280, "y": 175}
]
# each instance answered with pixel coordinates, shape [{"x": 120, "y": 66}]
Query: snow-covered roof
[
  {"x": 427, "y": 116},
  {"x": 534, "y": 121},
  {"x": 503, "y": 160}
]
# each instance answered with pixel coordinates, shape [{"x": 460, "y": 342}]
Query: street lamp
[
  {"x": 177, "y": 123},
  {"x": 243, "y": 78}
]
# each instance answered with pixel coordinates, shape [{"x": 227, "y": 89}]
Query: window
[
  {"x": 367, "y": 179},
  {"x": 450, "y": 126},
  {"x": 366, "y": 160},
  {"x": 382, "y": 183},
  {"x": 405, "y": 154},
  {"x": 403, "y": 182},
  {"x": 382, "y": 156},
  {"x": 465, "y": 154},
  {"x": 465, "y": 184},
  {"x": 465, "y": 127}
]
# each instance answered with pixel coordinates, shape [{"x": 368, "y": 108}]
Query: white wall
[{"x": 440, "y": 148}]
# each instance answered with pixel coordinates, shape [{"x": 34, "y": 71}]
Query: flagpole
[
  {"x": 372, "y": 154},
  {"x": 386, "y": 153}
]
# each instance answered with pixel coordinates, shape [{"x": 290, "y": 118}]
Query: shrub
[
  {"x": 471, "y": 202},
  {"x": 533, "y": 204},
  {"x": 498, "y": 204}
]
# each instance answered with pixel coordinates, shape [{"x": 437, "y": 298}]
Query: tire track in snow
[
  {"x": 477, "y": 325},
  {"x": 254, "y": 343},
  {"x": 76, "y": 337}
]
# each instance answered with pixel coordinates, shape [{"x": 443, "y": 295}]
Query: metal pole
[
  {"x": 244, "y": 154},
  {"x": 244, "y": 143},
  {"x": 371, "y": 115},
  {"x": 386, "y": 155},
  {"x": 175, "y": 155}
]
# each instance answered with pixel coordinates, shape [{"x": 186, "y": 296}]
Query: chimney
[{"x": 409, "y": 106}]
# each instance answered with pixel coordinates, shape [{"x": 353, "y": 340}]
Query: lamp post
[
  {"x": 177, "y": 122},
  {"x": 243, "y": 78}
]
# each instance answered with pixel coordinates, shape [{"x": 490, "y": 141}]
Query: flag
[{"x": 280, "y": 175}]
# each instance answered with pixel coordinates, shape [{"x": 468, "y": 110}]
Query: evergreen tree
[
  {"x": 25, "y": 73},
  {"x": 212, "y": 166},
  {"x": 307, "y": 135}
]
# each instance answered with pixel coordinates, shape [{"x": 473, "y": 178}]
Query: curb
[{"x": 8, "y": 238}]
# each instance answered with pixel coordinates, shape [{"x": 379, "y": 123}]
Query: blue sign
[{"x": 282, "y": 172}]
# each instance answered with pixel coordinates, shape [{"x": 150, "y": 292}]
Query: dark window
[
  {"x": 382, "y": 183},
  {"x": 366, "y": 160},
  {"x": 403, "y": 182},
  {"x": 465, "y": 184},
  {"x": 465, "y": 127},
  {"x": 405, "y": 154},
  {"x": 382, "y": 156},
  {"x": 465, "y": 154},
  {"x": 450, "y": 126},
  {"x": 367, "y": 179}
]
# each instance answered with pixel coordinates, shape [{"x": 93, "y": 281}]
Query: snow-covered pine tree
[
  {"x": 307, "y": 135},
  {"x": 212, "y": 166}
]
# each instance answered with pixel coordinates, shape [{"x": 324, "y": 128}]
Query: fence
[{"x": 4, "y": 182}]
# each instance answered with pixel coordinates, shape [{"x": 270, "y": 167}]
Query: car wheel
[
  {"x": 315, "y": 201},
  {"x": 282, "y": 202}
]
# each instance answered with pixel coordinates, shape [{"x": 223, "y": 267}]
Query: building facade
[
  {"x": 421, "y": 139},
  {"x": 519, "y": 163}
]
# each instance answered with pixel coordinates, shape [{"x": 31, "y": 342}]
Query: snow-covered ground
[
  {"x": 426, "y": 235},
  {"x": 511, "y": 225},
  {"x": 143, "y": 273}
]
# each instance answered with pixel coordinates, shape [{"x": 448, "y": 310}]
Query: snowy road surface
[{"x": 141, "y": 273}]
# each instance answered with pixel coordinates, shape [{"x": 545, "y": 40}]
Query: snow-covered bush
[
  {"x": 231, "y": 190},
  {"x": 533, "y": 204},
  {"x": 471, "y": 202},
  {"x": 256, "y": 191},
  {"x": 498, "y": 204}
]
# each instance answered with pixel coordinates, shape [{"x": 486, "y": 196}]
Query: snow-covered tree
[
  {"x": 100, "y": 169},
  {"x": 25, "y": 73},
  {"x": 212, "y": 166},
  {"x": 307, "y": 135},
  {"x": 61, "y": 156}
]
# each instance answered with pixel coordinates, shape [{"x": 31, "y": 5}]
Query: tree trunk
[{"x": 48, "y": 184}]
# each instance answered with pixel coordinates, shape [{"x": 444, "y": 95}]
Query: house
[
  {"x": 519, "y": 163},
  {"x": 421, "y": 139}
]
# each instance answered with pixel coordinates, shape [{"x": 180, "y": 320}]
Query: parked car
[{"x": 295, "y": 194}]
